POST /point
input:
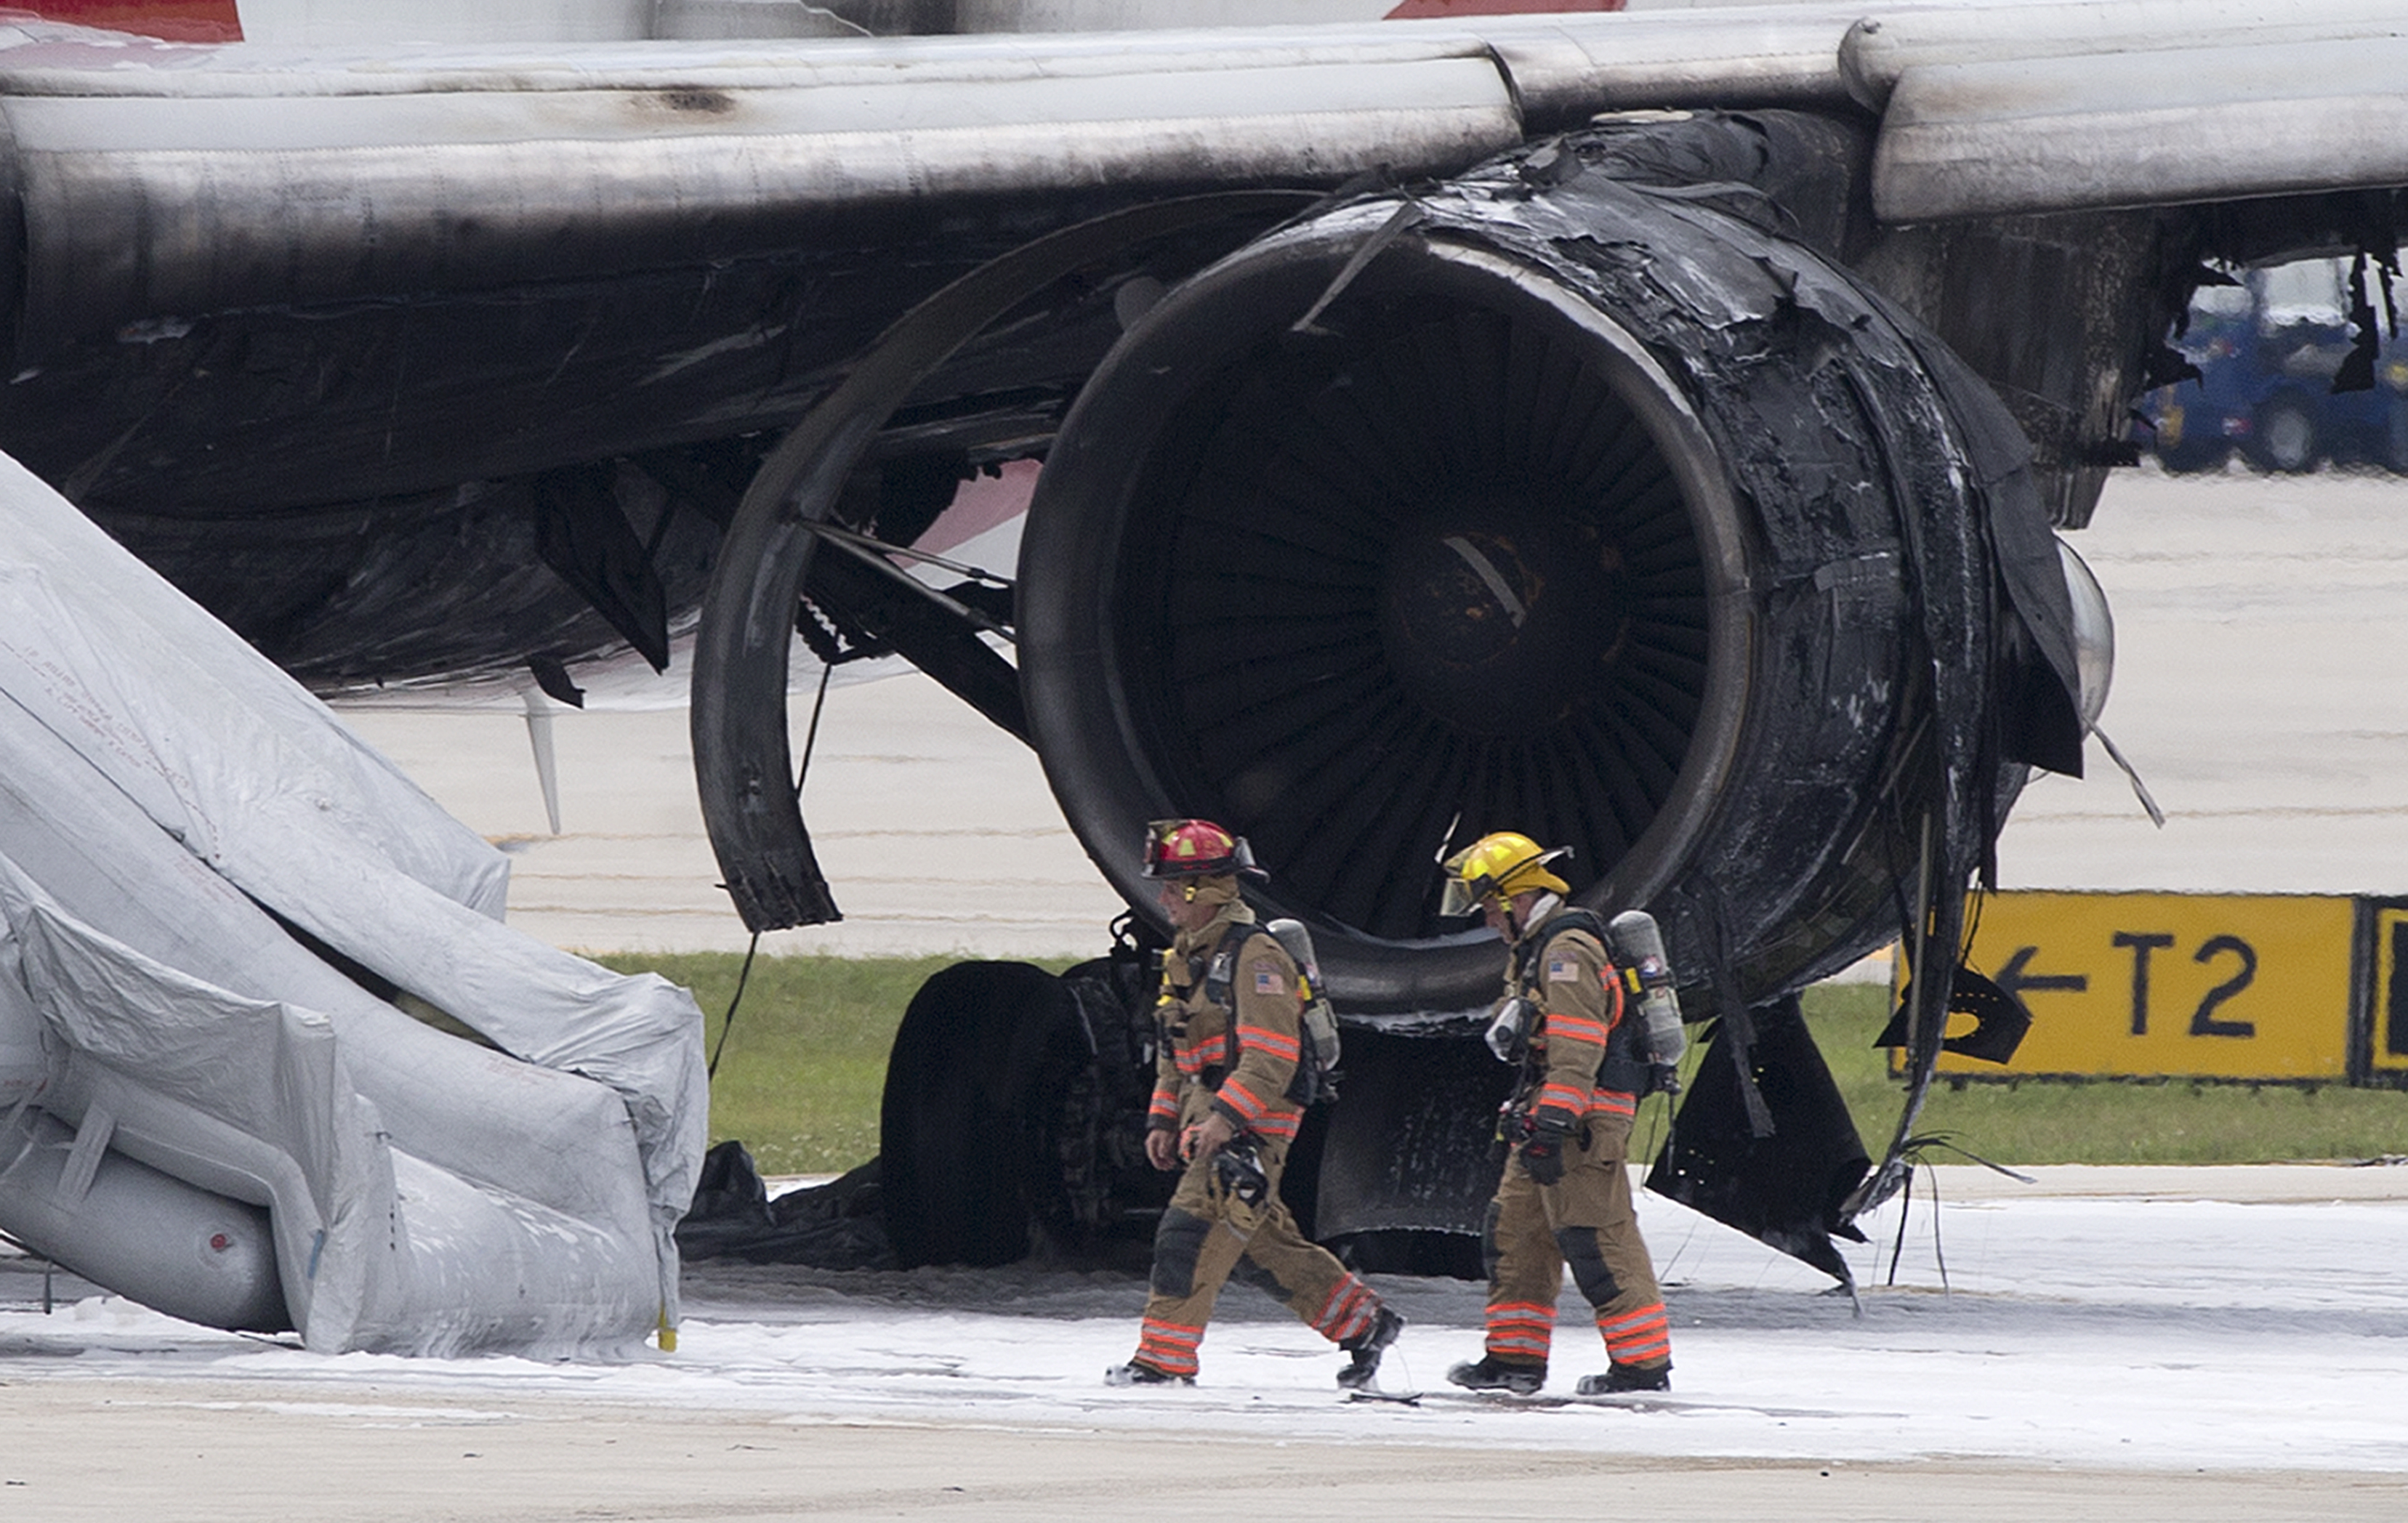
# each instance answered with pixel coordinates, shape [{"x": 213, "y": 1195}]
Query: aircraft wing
[
  {"x": 158, "y": 181},
  {"x": 167, "y": 179}
]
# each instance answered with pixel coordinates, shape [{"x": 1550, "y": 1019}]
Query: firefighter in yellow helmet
[
  {"x": 1565, "y": 1194},
  {"x": 1229, "y": 1041}
]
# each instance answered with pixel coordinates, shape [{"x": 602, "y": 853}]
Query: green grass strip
[{"x": 800, "y": 1079}]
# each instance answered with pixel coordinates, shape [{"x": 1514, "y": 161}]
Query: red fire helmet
[{"x": 1189, "y": 848}]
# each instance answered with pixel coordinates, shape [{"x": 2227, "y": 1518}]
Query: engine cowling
[{"x": 1550, "y": 503}]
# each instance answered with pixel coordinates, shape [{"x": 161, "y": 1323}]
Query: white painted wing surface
[{"x": 160, "y": 179}]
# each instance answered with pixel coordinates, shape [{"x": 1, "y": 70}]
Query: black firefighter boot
[
  {"x": 1620, "y": 1379},
  {"x": 1367, "y": 1347},
  {"x": 1138, "y": 1373},
  {"x": 1492, "y": 1374}
]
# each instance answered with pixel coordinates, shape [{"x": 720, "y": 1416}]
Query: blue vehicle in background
[{"x": 2268, "y": 349}]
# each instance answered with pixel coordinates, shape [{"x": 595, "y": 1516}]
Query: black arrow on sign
[
  {"x": 2001, "y": 1016},
  {"x": 2012, "y": 980}
]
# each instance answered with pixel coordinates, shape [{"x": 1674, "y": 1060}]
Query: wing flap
[{"x": 2161, "y": 128}]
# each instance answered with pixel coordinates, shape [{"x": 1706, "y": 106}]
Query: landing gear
[
  {"x": 1015, "y": 1112},
  {"x": 1014, "y": 1116},
  {"x": 958, "y": 1142}
]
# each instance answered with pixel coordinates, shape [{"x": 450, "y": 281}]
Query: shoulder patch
[
  {"x": 1268, "y": 978},
  {"x": 1563, "y": 969}
]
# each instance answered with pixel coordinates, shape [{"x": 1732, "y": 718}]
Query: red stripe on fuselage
[{"x": 171, "y": 20}]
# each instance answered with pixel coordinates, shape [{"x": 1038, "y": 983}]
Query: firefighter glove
[{"x": 1543, "y": 1156}]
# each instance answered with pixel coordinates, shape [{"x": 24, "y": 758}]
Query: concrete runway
[
  {"x": 2257, "y": 620},
  {"x": 2135, "y": 1344},
  {"x": 934, "y": 827},
  {"x": 234, "y": 1454}
]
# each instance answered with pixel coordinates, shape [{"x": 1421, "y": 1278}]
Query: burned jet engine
[{"x": 1592, "y": 505}]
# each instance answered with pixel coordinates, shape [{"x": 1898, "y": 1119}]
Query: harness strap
[{"x": 1619, "y": 1069}]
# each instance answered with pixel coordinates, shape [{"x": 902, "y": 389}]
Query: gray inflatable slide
[{"x": 216, "y": 905}]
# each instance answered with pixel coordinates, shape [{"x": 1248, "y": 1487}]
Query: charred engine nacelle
[{"x": 1554, "y": 504}]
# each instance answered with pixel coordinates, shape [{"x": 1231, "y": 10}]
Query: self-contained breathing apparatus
[
  {"x": 1636, "y": 945},
  {"x": 1318, "y": 1046},
  {"x": 1193, "y": 850},
  {"x": 1237, "y": 1165}
]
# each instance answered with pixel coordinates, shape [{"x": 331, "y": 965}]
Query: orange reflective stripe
[
  {"x": 1346, "y": 1311},
  {"x": 1268, "y": 1041},
  {"x": 1168, "y": 1347},
  {"x": 1576, "y": 1029},
  {"x": 1522, "y": 1315},
  {"x": 1615, "y": 1101},
  {"x": 1638, "y": 1337},
  {"x": 1571, "y": 1097},
  {"x": 1243, "y": 1099},
  {"x": 1193, "y": 1061},
  {"x": 1521, "y": 1329},
  {"x": 1170, "y": 1364}
]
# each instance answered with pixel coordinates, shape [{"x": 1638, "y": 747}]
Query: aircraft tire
[{"x": 958, "y": 1149}]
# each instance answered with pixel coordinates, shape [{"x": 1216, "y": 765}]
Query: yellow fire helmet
[{"x": 1498, "y": 866}]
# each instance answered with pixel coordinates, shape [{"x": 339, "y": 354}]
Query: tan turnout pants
[
  {"x": 1586, "y": 1220},
  {"x": 1204, "y": 1235}
]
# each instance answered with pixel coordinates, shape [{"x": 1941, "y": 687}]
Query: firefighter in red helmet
[{"x": 1224, "y": 1113}]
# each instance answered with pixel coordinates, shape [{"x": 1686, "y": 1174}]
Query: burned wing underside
[{"x": 556, "y": 488}]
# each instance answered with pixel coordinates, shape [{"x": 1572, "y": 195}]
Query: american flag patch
[
  {"x": 1562, "y": 970},
  {"x": 1268, "y": 981}
]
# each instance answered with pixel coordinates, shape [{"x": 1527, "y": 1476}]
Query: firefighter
[
  {"x": 1227, "y": 1049},
  {"x": 1565, "y": 1194}
]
